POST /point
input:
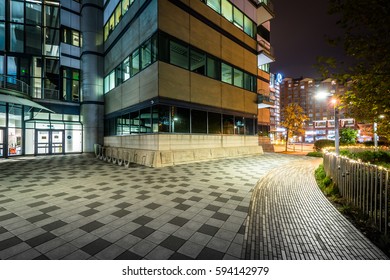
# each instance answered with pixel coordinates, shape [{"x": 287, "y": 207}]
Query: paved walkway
[
  {"x": 290, "y": 219},
  {"x": 77, "y": 207}
]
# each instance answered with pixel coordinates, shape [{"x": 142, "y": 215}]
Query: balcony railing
[
  {"x": 11, "y": 83},
  {"x": 18, "y": 86},
  {"x": 264, "y": 99}
]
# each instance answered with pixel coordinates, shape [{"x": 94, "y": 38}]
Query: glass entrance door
[
  {"x": 2, "y": 142},
  {"x": 57, "y": 141},
  {"x": 42, "y": 145},
  {"x": 49, "y": 142}
]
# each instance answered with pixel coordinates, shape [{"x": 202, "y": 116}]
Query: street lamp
[
  {"x": 375, "y": 133},
  {"x": 322, "y": 95},
  {"x": 336, "y": 126}
]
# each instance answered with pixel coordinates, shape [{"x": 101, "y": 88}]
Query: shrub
[
  {"x": 381, "y": 158},
  {"x": 320, "y": 144},
  {"x": 348, "y": 136},
  {"x": 315, "y": 154},
  {"x": 319, "y": 173},
  {"x": 368, "y": 143},
  {"x": 347, "y": 153},
  {"x": 380, "y": 143},
  {"x": 325, "y": 182}
]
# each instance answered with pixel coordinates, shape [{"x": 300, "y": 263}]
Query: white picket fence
[{"x": 365, "y": 186}]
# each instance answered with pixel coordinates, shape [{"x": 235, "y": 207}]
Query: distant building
[
  {"x": 306, "y": 93},
  {"x": 275, "y": 128}
]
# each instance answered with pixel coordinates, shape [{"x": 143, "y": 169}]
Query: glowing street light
[
  {"x": 336, "y": 126},
  {"x": 375, "y": 133},
  {"x": 322, "y": 95}
]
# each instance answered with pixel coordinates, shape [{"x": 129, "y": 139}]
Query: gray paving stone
[
  {"x": 84, "y": 190},
  {"x": 190, "y": 249},
  {"x": 14, "y": 250},
  {"x": 219, "y": 244},
  {"x": 110, "y": 253},
  {"x": 157, "y": 237},
  {"x": 61, "y": 251},
  {"x": 128, "y": 241},
  {"x": 200, "y": 238},
  {"x": 143, "y": 247},
  {"x": 26, "y": 255},
  {"x": 159, "y": 253}
]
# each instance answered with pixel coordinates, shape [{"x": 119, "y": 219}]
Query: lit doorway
[{"x": 49, "y": 142}]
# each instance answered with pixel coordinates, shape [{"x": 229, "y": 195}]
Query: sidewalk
[
  {"x": 290, "y": 219},
  {"x": 77, "y": 207}
]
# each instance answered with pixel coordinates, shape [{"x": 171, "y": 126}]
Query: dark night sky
[{"x": 298, "y": 36}]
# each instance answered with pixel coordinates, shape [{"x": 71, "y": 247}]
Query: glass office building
[{"x": 39, "y": 78}]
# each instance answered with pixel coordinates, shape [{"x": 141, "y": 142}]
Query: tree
[
  {"x": 366, "y": 42},
  {"x": 348, "y": 136},
  {"x": 293, "y": 119}
]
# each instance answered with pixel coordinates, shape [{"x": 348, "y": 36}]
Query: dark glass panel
[
  {"x": 199, "y": 121},
  {"x": 228, "y": 124},
  {"x": 180, "y": 120},
  {"x": 178, "y": 54},
  {"x": 33, "y": 40},
  {"x": 163, "y": 118},
  {"x": 214, "y": 123},
  {"x": 198, "y": 62}
]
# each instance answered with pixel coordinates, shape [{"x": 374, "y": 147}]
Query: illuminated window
[
  {"x": 226, "y": 73},
  {"x": 118, "y": 14},
  {"x": 227, "y": 10},
  {"x": 126, "y": 69},
  {"x": 215, "y": 5},
  {"x": 238, "y": 18}
]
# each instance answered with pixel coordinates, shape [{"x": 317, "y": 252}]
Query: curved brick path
[{"x": 289, "y": 218}]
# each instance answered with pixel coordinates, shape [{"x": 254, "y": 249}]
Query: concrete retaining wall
[
  {"x": 126, "y": 156},
  {"x": 168, "y": 142}
]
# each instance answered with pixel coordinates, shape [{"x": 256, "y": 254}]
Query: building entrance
[{"x": 49, "y": 142}]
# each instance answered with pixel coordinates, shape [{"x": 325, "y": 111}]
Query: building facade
[
  {"x": 315, "y": 97},
  {"x": 40, "y": 78},
  {"x": 156, "y": 75}
]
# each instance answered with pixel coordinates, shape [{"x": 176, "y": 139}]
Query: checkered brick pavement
[{"x": 77, "y": 207}]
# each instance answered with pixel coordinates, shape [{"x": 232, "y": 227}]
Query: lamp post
[
  {"x": 336, "y": 126},
  {"x": 322, "y": 95},
  {"x": 375, "y": 133}
]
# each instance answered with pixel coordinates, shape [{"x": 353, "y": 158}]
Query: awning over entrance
[{"x": 22, "y": 101}]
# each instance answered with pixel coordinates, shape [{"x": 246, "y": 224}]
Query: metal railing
[
  {"x": 50, "y": 94},
  {"x": 363, "y": 185},
  {"x": 11, "y": 83},
  {"x": 46, "y": 93},
  {"x": 264, "y": 98}
]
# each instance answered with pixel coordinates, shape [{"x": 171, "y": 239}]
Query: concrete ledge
[{"x": 126, "y": 156}]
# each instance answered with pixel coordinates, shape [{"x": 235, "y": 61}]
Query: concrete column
[{"x": 92, "y": 73}]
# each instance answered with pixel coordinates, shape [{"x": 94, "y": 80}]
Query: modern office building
[
  {"x": 40, "y": 77},
  {"x": 147, "y": 75},
  {"x": 306, "y": 92}
]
